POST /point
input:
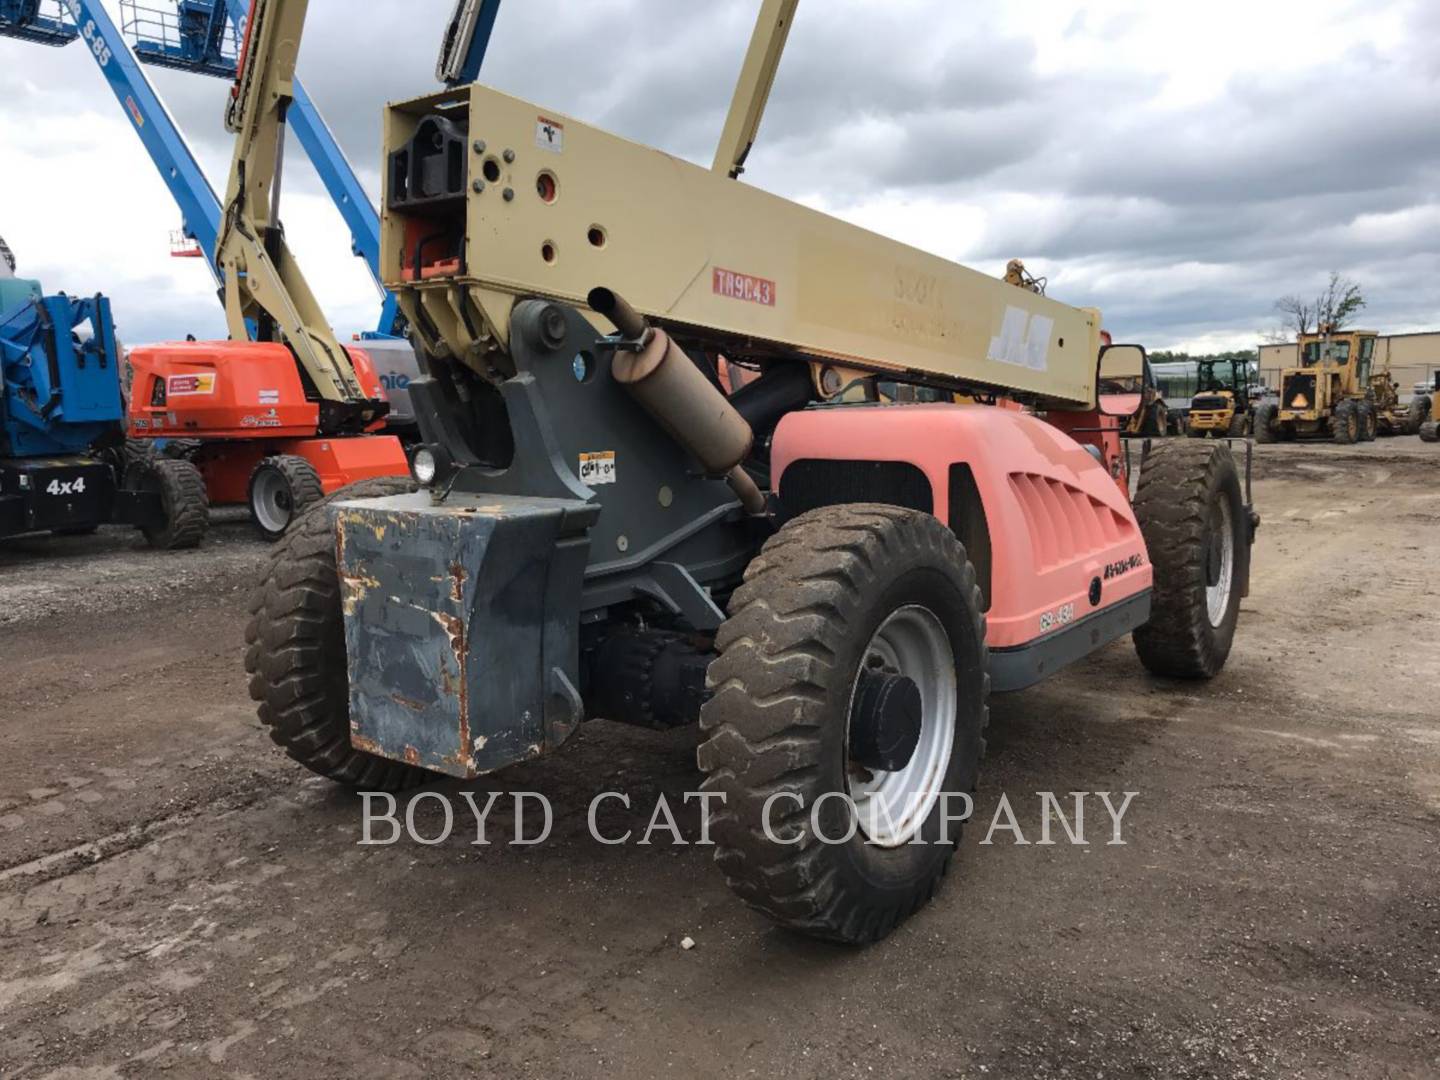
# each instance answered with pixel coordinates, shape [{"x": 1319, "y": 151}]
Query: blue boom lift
[{"x": 62, "y": 424}]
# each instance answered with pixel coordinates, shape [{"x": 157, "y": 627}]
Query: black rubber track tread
[
  {"x": 187, "y": 504},
  {"x": 295, "y": 650},
  {"x": 305, "y": 488},
  {"x": 1345, "y": 423},
  {"x": 1172, "y": 504},
  {"x": 789, "y": 622},
  {"x": 1265, "y": 424}
]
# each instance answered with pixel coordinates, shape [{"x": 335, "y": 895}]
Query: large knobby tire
[
  {"x": 183, "y": 499},
  {"x": 281, "y": 488},
  {"x": 835, "y": 589},
  {"x": 1239, "y": 426},
  {"x": 295, "y": 651},
  {"x": 1417, "y": 414},
  {"x": 1369, "y": 422},
  {"x": 1430, "y": 431},
  {"x": 1265, "y": 424},
  {"x": 1345, "y": 423},
  {"x": 1197, "y": 531}
]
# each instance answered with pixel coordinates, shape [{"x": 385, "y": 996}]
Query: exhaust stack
[{"x": 680, "y": 398}]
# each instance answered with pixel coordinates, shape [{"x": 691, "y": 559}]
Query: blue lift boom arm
[{"x": 199, "y": 206}]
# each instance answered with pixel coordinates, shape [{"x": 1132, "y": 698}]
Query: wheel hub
[{"x": 885, "y": 721}]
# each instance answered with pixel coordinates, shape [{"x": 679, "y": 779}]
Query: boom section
[
  {"x": 263, "y": 282},
  {"x": 489, "y": 198}
]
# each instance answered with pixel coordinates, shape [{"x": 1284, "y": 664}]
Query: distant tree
[
  {"x": 1297, "y": 316},
  {"x": 1341, "y": 301},
  {"x": 1336, "y": 306}
]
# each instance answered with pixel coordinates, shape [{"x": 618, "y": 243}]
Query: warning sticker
[
  {"x": 269, "y": 397},
  {"x": 1024, "y": 340},
  {"x": 598, "y": 468},
  {"x": 733, "y": 286},
  {"x": 549, "y": 134},
  {"x": 186, "y": 385}
]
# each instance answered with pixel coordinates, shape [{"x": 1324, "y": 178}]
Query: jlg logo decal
[{"x": 733, "y": 286}]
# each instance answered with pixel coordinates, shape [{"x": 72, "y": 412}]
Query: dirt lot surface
[{"x": 177, "y": 899}]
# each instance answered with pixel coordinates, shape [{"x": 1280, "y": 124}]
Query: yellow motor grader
[{"x": 1329, "y": 394}]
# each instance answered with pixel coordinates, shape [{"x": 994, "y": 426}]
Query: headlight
[{"x": 423, "y": 466}]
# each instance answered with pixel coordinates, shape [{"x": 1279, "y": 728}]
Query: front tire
[
  {"x": 1369, "y": 422},
  {"x": 295, "y": 651},
  {"x": 281, "y": 489},
  {"x": 1429, "y": 431},
  {"x": 184, "y": 501},
  {"x": 1417, "y": 414},
  {"x": 1265, "y": 424},
  {"x": 1239, "y": 426},
  {"x": 1197, "y": 531},
  {"x": 842, "y": 595},
  {"x": 1345, "y": 423}
]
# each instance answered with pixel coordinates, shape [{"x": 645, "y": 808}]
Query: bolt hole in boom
[
  {"x": 547, "y": 187},
  {"x": 547, "y": 252},
  {"x": 597, "y": 236},
  {"x": 491, "y": 169}
]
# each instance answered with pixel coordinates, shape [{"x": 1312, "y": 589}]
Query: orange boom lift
[{"x": 293, "y": 415}]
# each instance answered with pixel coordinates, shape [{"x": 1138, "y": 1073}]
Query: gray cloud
[{"x": 1180, "y": 222}]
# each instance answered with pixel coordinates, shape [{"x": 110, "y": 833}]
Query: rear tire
[
  {"x": 1239, "y": 426},
  {"x": 815, "y": 603},
  {"x": 183, "y": 497},
  {"x": 1197, "y": 532},
  {"x": 1345, "y": 423},
  {"x": 1429, "y": 431},
  {"x": 295, "y": 651},
  {"x": 281, "y": 488},
  {"x": 1265, "y": 424}
]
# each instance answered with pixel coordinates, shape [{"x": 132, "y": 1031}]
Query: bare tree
[
  {"x": 1340, "y": 302},
  {"x": 1297, "y": 316}
]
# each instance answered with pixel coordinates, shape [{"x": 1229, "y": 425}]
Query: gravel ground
[{"x": 176, "y": 898}]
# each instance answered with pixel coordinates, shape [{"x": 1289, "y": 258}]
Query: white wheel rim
[
  {"x": 891, "y": 806},
  {"x": 1217, "y": 596},
  {"x": 272, "y": 502}
]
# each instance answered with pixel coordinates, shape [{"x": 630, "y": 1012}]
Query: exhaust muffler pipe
[{"x": 679, "y": 397}]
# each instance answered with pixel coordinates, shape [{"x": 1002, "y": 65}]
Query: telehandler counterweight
[{"x": 608, "y": 528}]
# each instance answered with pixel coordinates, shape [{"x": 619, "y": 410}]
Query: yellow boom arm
[{"x": 263, "y": 282}]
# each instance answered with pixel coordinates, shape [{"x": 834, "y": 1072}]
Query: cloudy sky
[{"x": 1177, "y": 165}]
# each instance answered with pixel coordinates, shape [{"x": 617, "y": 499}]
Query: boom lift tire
[
  {"x": 1265, "y": 424},
  {"x": 1417, "y": 414},
  {"x": 280, "y": 489},
  {"x": 1429, "y": 431},
  {"x": 1192, "y": 514},
  {"x": 295, "y": 651},
  {"x": 1345, "y": 423},
  {"x": 1239, "y": 426},
  {"x": 838, "y": 597},
  {"x": 183, "y": 497}
]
